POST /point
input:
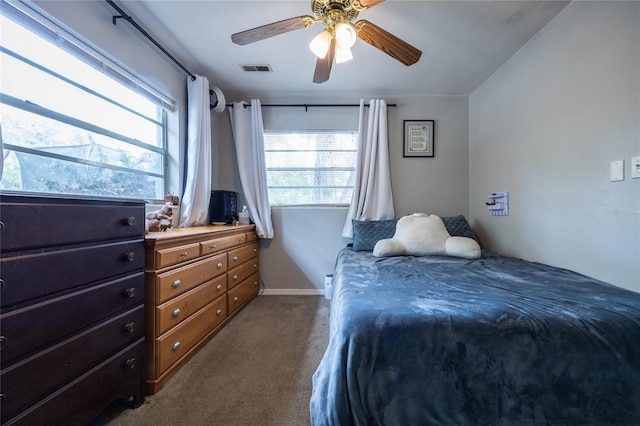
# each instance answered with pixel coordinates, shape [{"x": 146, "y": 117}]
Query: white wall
[
  {"x": 546, "y": 126},
  {"x": 307, "y": 239}
]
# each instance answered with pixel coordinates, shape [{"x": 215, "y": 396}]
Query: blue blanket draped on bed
[{"x": 497, "y": 341}]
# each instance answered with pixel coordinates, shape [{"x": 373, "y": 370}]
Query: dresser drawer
[
  {"x": 32, "y": 276},
  {"x": 242, "y": 254},
  {"x": 240, "y": 294},
  {"x": 223, "y": 243},
  {"x": 240, "y": 273},
  {"x": 176, "y": 343},
  {"x": 177, "y": 281},
  {"x": 251, "y": 236},
  {"x": 80, "y": 401},
  {"x": 34, "y": 327},
  {"x": 45, "y": 222},
  {"x": 61, "y": 363},
  {"x": 175, "y": 255},
  {"x": 174, "y": 311}
]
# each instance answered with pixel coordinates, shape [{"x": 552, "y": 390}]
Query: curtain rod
[
  {"x": 129, "y": 19},
  {"x": 306, "y": 106}
]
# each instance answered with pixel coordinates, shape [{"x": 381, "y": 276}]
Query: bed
[{"x": 439, "y": 340}]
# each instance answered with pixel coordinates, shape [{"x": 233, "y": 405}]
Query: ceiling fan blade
[
  {"x": 323, "y": 66},
  {"x": 369, "y": 3},
  {"x": 387, "y": 42},
  {"x": 273, "y": 29}
]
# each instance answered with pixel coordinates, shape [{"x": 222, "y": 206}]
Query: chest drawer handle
[
  {"x": 130, "y": 328},
  {"x": 235, "y": 278},
  {"x": 219, "y": 265},
  {"x": 1, "y": 284},
  {"x": 255, "y": 283},
  {"x": 130, "y": 363},
  {"x": 131, "y": 256},
  {"x": 3, "y": 342},
  {"x": 213, "y": 246},
  {"x": 219, "y": 312},
  {"x": 130, "y": 292},
  {"x": 131, "y": 220},
  {"x": 176, "y": 283},
  {"x": 235, "y": 299},
  {"x": 235, "y": 258},
  {"x": 176, "y": 346},
  {"x": 219, "y": 287},
  {"x": 242, "y": 239},
  {"x": 255, "y": 250},
  {"x": 184, "y": 254},
  {"x": 176, "y": 312},
  {"x": 1, "y": 226},
  {"x": 255, "y": 266}
]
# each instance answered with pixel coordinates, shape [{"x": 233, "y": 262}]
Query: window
[
  {"x": 73, "y": 121},
  {"x": 310, "y": 168}
]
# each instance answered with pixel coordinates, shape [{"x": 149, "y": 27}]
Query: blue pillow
[
  {"x": 457, "y": 226},
  {"x": 366, "y": 233}
]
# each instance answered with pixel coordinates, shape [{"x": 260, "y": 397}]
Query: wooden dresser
[
  {"x": 197, "y": 279},
  {"x": 72, "y": 318}
]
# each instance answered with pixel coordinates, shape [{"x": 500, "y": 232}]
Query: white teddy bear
[{"x": 421, "y": 234}]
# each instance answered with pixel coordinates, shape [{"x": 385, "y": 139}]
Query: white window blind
[{"x": 310, "y": 167}]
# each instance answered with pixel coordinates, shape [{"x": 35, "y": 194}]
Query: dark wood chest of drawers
[{"x": 72, "y": 308}]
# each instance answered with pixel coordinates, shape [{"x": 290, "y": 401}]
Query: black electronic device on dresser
[
  {"x": 223, "y": 207},
  {"x": 72, "y": 308}
]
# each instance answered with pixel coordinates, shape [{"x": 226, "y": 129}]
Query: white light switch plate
[
  {"x": 617, "y": 171},
  {"x": 635, "y": 167}
]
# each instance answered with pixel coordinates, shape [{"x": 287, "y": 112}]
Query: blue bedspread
[{"x": 492, "y": 341}]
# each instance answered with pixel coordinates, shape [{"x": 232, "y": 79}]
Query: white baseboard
[{"x": 293, "y": 292}]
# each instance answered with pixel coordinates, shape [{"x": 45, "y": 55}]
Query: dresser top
[{"x": 198, "y": 231}]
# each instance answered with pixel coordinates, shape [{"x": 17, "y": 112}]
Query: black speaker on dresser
[{"x": 223, "y": 206}]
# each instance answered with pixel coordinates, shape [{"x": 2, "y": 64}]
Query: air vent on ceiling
[{"x": 256, "y": 68}]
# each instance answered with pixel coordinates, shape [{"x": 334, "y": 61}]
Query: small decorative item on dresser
[{"x": 159, "y": 220}]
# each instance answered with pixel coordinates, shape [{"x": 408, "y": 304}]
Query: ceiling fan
[{"x": 340, "y": 34}]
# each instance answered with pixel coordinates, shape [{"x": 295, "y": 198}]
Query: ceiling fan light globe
[
  {"x": 320, "y": 44},
  {"x": 345, "y": 35},
  {"x": 343, "y": 55}
]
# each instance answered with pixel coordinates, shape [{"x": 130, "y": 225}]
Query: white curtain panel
[
  {"x": 248, "y": 134},
  {"x": 372, "y": 194},
  {"x": 195, "y": 199}
]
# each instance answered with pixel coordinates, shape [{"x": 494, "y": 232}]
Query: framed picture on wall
[{"x": 418, "y": 138}]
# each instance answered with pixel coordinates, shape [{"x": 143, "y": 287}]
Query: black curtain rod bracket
[{"x": 129, "y": 19}]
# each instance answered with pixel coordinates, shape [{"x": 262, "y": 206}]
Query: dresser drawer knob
[
  {"x": 1, "y": 284},
  {"x": 2, "y": 397},
  {"x": 219, "y": 265},
  {"x": 130, "y": 328},
  {"x": 255, "y": 250},
  {"x": 255, "y": 283},
  {"x": 235, "y": 278},
  {"x": 1, "y": 226},
  {"x": 242, "y": 239},
  {"x": 176, "y": 283},
  {"x": 131, "y": 256},
  {"x": 184, "y": 254},
  {"x": 219, "y": 312},
  {"x": 219, "y": 287},
  {"x": 255, "y": 266},
  {"x": 131, "y": 220},
  {"x": 176, "y": 346},
  {"x": 235, "y": 299},
  {"x": 130, "y": 292},
  {"x": 130, "y": 363},
  {"x": 176, "y": 312},
  {"x": 3, "y": 342},
  {"x": 235, "y": 258}
]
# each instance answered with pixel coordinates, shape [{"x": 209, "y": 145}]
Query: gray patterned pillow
[
  {"x": 366, "y": 233},
  {"x": 457, "y": 226}
]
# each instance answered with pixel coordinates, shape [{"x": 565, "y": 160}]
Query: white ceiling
[{"x": 462, "y": 43}]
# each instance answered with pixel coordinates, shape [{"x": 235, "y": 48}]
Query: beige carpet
[{"x": 256, "y": 371}]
